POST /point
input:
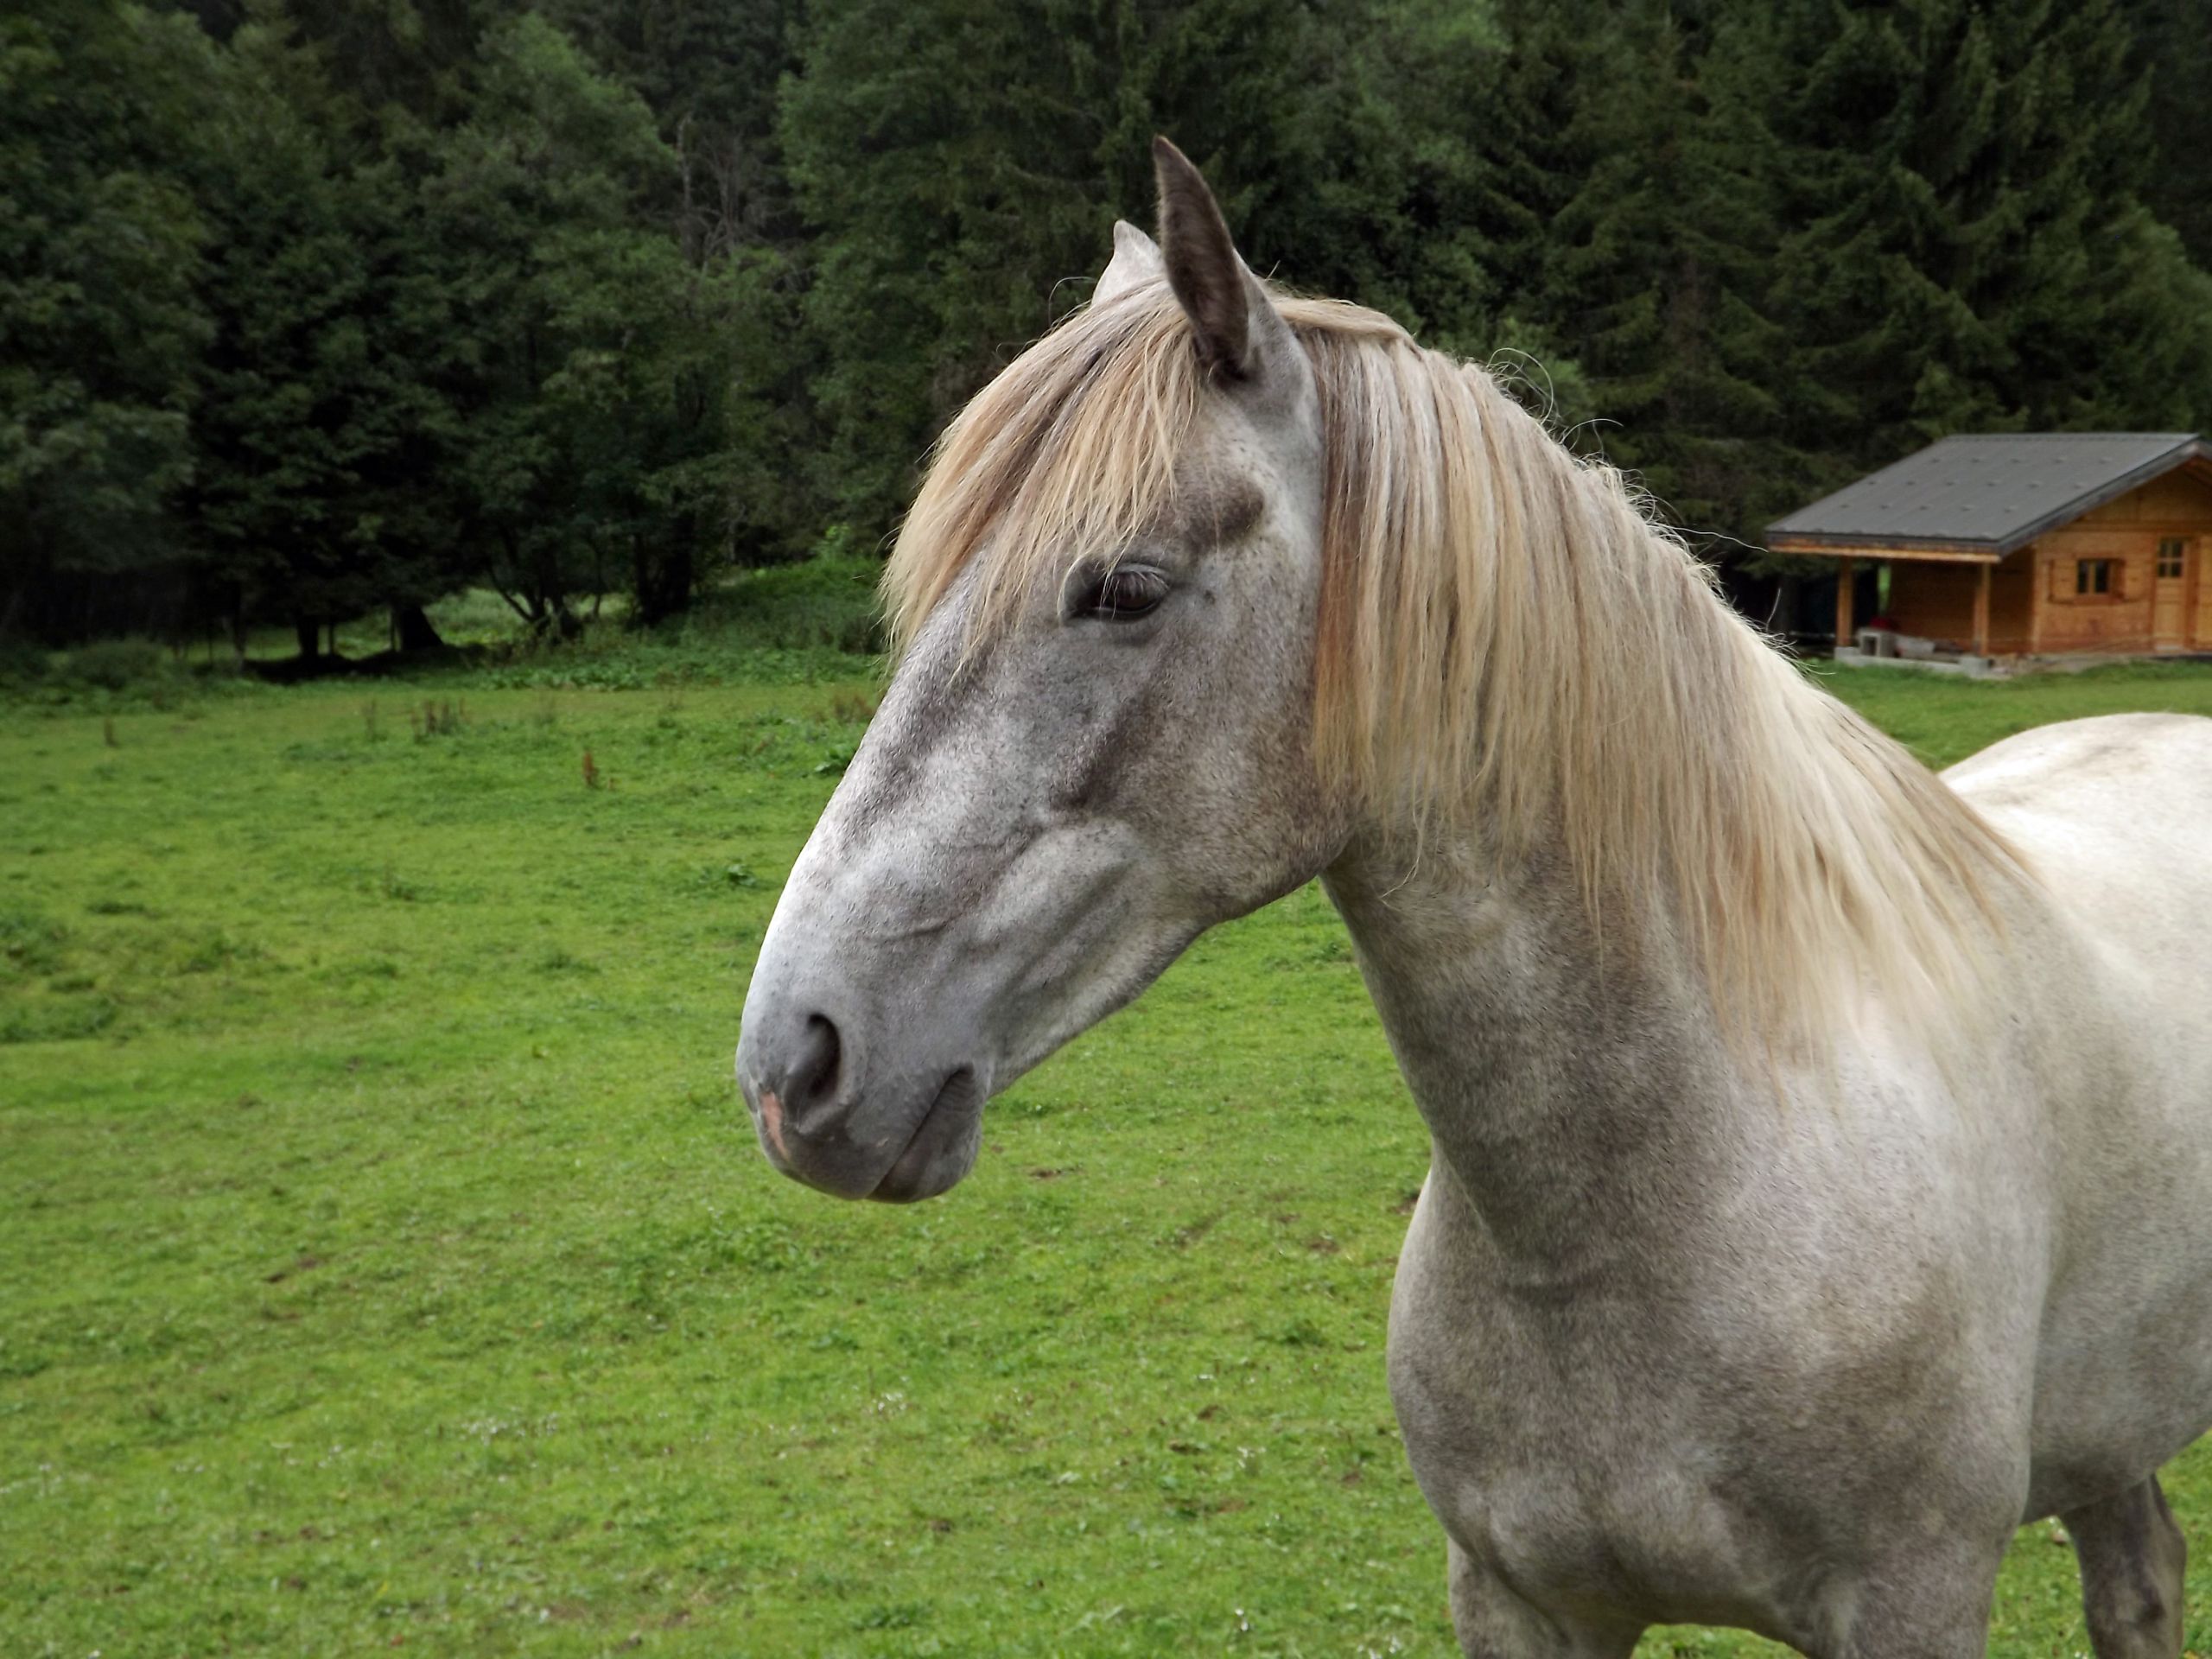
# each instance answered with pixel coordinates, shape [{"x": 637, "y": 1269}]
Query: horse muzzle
[{"x": 907, "y": 1134}]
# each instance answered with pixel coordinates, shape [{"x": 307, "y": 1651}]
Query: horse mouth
[{"x": 943, "y": 1146}]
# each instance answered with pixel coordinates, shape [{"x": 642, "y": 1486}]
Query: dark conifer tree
[
  {"x": 1966, "y": 248},
  {"x": 285, "y": 420},
  {"x": 959, "y": 168},
  {"x": 1658, "y": 263},
  {"x": 2173, "y": 52}
]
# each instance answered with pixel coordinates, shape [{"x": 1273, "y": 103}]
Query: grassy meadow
[{"x": 387, "y": 1262}]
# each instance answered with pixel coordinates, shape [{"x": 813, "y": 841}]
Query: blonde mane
[{"x": 1505, "y": 640}]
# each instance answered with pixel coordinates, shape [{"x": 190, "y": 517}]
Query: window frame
[
  {"x": 2173, "y": 549},
  {"x": 2099, "y": 585}
]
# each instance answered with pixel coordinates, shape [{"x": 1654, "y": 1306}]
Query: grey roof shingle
[{"x": 1995, "y": 492}]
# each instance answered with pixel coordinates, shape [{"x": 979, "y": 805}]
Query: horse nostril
[{"x": 814, "y": 1073}]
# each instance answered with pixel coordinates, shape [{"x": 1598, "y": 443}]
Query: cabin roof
[{"x": 1985, "y": 493}]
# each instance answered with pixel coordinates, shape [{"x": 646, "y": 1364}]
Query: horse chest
[
  {"x": 1577, "y": 1482},
  {"x": 1610, "y": 1445}
]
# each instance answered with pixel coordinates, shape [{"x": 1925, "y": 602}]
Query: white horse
[{"x": 1822, "y": 1151}]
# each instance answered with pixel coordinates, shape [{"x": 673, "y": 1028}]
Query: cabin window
[
  {"x": 2093, "y": 576},
  {"x": 2169, "y": 551}
]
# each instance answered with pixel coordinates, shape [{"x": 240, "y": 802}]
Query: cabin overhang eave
[{"x": 1883, "y": 547}]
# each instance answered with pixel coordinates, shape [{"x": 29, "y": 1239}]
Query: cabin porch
[{"x": 1938, "y": 610}]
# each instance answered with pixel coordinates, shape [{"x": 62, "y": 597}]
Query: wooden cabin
[{"x": 2025, "y": 544}]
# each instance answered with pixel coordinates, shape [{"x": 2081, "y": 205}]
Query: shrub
[
  {"x": 116, "y": 665},
  {"x": 22, "y": 661},
  {"x": 827, "y": 600}
]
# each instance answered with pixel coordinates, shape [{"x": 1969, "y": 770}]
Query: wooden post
[
  {"x": 1982, "y": 614},
  {"x": 1843, "y": 574},
  {"x": 2038, "y": 580}
]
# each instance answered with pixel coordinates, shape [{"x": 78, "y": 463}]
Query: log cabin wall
[
  {"x": 2128, "y": 606},
  {"x": 1935, "y": 601},
  {"x": 2012, "y": 604}
]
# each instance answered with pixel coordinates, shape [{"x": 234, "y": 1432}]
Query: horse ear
[
  {"x": 1230, "y": 312},
  {"x": 1135, "y": 262}
]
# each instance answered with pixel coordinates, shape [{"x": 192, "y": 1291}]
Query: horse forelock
[{"x": 1509, "y": 647}]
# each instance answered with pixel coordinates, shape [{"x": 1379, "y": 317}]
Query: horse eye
[{"x": 1123, "y": 594}]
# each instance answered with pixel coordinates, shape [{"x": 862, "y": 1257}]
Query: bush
[
  {"x": 21, "y": 662},
  {"x": 107, "y": 675},
  {"x": 116, "y": 665},
  {"x": 827, "y": 601},
  {"x": 475, "y": 616}
]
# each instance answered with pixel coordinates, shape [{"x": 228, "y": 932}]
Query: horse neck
[{"x": 1573, "y": 1094}]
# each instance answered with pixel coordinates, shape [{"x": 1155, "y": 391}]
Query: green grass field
[{"x": 388, "y": 1263}]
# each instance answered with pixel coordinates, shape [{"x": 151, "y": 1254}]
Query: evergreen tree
[
  {"x": 710, "y": 74},
  {"x": 101, "y": 329},
  {"x": 960, "y": 163},
  {"x": 2173, "y": 53},
  {"x": 1533, "y": 142},
  {"x": 951, "y": 187},
  {"x": 414, "y": 59},
  {"x": 595, "y": 396},
  {"x": 1657, "y": 264},
  {"x": 1967, "y": 247},
  {"x": 286, "y": 420},
  {"x": 412, "y": 517}
]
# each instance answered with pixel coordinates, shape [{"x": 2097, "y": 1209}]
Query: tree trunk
[
  {"x": 661, "y": 578},
  {"x": 412, "y": 627},
  {"x": 307, "y": 630}
]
